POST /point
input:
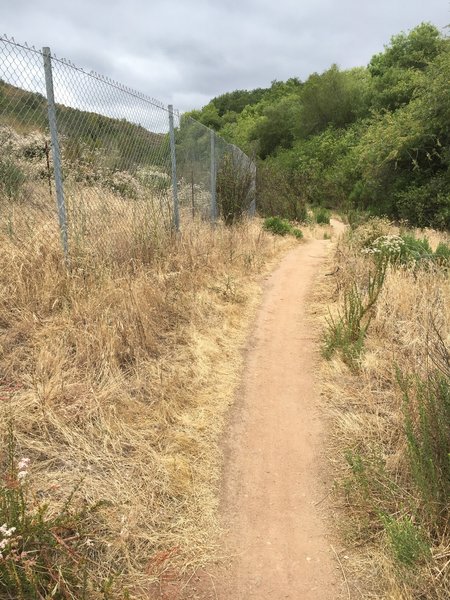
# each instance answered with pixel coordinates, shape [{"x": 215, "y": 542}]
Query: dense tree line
[{"x": 373, "y": 138}]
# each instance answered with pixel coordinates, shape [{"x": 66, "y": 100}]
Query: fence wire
[
  {"x": 27, "y": 200},
  {"x": 115, "y": 159}
]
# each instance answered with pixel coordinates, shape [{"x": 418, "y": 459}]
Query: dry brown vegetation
[
  {"x": 388, "y": 405},
  {"x": 117, "y": 374}
]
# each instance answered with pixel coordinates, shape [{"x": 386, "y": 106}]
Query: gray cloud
[{"x": 187, "y": 52}]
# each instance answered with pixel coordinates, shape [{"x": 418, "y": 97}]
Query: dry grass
[
  {"x": 366, "y": 410},
  {"x": 117, "y": 374}
]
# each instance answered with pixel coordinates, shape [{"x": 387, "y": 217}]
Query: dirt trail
[{"x": 274, "y": 480}]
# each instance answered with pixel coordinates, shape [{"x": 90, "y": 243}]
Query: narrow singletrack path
[{"x": 274, "y": 480}]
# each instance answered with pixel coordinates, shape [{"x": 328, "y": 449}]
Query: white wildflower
[
  {"x": 22, "y": 468},
  {"x": 23, "y": 464},
  {"x": 7, "y": 532}
]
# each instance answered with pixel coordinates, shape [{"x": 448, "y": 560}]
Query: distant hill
[{"x": 131, "y": 144}]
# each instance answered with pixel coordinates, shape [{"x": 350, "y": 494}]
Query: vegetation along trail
[{"x": 274, "y": 474}]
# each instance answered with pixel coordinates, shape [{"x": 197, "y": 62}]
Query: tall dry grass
[
  {"x": 393, "y": 524},
  {"x": 117, "y": 373}
]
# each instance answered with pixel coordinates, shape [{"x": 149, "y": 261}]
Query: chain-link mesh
[
  {"x": 115, "y": 159},
  {"x": 27, "y": 201},
  {"x": 193, "y": 145}
]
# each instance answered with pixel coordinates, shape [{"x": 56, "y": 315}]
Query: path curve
[{"x": 274, "y": 475}]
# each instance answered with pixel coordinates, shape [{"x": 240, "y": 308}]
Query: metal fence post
[
  {"x": 176, "y": 212},
  {"x": 213, "y": 178},
  {"x": 61, "y": 205},
  {"x": 252, "y": 208}
]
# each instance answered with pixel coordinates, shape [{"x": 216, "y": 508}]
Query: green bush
[
  {"x": 235, "y": 180},
  {"x": 277, "y": 225},
  {"x": 386, "y": 248},
  {"x": 407, "y": 249},
  {"x": 12, "y": 179},
  {"x": 427, "y": 428},
  {"x": 297, "y": 233},
  {"x": 280, "y": 226},
  {"x": 279, "y": 192},
  {"x": 407, "y": 542},
  {"x": 322, "y": 216},
  {"x": 442, "y": 254}
]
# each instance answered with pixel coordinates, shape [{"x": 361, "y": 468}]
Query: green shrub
[
  {"x": 442, "y": 254},
  {"x": 387, "y": 248},
  {"x": 407, "y": 542},
  {"x": 322, "y": 216},
  {"x": 235, "y": 181},
  {"x": 12, "y": 179},
  {"x": 280, "y": 192},
  {"x": 415, "y": 249},
  {"x": 277, "y": 225},
  {"x": 427, "y": 428},
  {"x": 365, "y": 233},
  {"x": 297, "y": 233},
  {"x": 407, "y": 249}
]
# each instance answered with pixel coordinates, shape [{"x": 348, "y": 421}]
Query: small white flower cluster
[
  {"x": 27, "y": 152},
  {"x": 149, "y": 176},
  {"x": 201, "y": 198},
  {"x": 6, "y": 533},
  {"x": 124, "y": 184},
  {"x": 370, "y": 250},
  {"x": 22, "y": 468},
  {"x": 388, "y": 245}
]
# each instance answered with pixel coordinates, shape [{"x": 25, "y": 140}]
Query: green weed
[
  {"x": 426, "y": 412},
  {"x": 347, "y": 331},
  {"x": 407, "y": 250},
  {"x": 407, "y": 542}
]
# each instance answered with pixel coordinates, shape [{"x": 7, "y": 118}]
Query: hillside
[
  {"x": 373, "y": 138},
  {"x": 27, "y": 111}
]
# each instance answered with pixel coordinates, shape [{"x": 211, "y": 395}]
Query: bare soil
[
  {"x": 275, "y": 488},
  {"x": 274, "y": 474}
]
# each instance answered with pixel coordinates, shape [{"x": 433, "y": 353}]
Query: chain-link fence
[{"x": 103, "y": 166}]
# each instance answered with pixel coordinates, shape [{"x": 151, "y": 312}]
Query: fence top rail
[
  {"x": 92, "y": 74},
  {"x": 66, "y": 63},
  {"x": 25, "y": 46}
]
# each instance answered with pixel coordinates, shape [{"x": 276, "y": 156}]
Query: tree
[
  {"x": 335, "y": 98},
  {"x": 396, "y": 71},
  {"x": 276, "y": 128}
]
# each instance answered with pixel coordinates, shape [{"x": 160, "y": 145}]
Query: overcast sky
[{"x": 188, "y": 51}]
